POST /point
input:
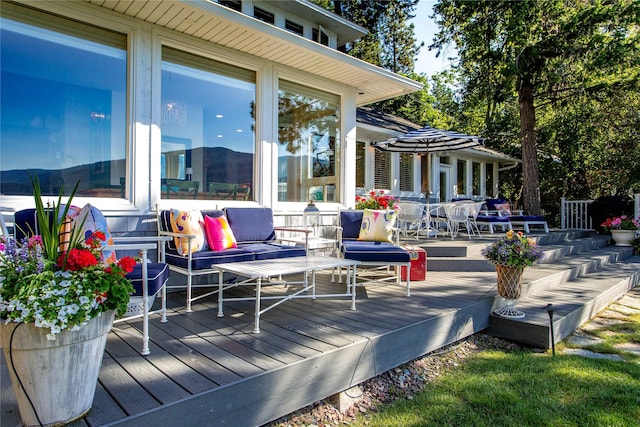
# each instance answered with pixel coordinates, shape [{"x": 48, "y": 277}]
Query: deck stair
[{"x": 580, "y": 275}]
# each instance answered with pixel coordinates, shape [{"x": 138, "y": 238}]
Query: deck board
[
  {"x": 144, "y": 372},
  {"x": 177, "y": 359},
  {"x": 123, "y": 388}
]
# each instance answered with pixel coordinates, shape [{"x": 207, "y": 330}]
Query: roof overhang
[
  {"x": 490, "y": 153},
  {"x": 217, "y": 24},
  {"x": 346, "y": 30}
]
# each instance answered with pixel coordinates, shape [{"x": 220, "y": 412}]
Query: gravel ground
[{"x": 399, "y": 383}]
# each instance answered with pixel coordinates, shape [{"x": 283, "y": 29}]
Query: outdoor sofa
[{"x": 246, "y": 233}]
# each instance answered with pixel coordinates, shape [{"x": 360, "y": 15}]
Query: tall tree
[
  {"x": 522, "y": 47},
  {"x": 391, "y": 41}
]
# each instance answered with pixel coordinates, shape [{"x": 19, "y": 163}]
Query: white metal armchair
[{"x": 457, "y": 215}]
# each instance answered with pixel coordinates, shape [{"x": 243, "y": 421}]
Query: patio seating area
[
  {"x": 470, "y": 216},
  {"x": 310, "y": 349}
]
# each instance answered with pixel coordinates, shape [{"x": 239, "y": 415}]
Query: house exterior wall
[
  {"x": 143, "y": 186},
  {"x": 434, "y": 169}
]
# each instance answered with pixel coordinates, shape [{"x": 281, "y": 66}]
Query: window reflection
[
  {"x": 308, "y": 136},
  {"x": 475, "y": 168},
  {"x": 63, "y": 108},
  {"x": 207, "y": 126}
]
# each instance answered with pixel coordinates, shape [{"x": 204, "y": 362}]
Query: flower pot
[
  {"x": 623, "y": 237},
  {"x": 509, "y": 283},
  {"x": 54, "y": 381}
]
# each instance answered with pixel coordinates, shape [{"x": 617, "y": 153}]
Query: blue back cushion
[
  {"x": 251, "y": 224},
  {"x": 25, "y": 223},
  {"x": 351, "y": 221}
]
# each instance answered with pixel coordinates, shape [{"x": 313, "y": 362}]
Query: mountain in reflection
[{"x": 209, "y": 165}]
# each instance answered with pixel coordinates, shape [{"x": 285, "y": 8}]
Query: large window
[
  {"x": 308, "y": 143},
  {"x": 208, "y": 143},
  {"x": 462, "y": 177},
  {"x": 382, "y": 174},
  {"x": 63, "y": 106},
  {"x": 475, "y": 168},
  {"x": 406, "y": 172},
  {"x": 489, "y": 173},
  {"x": 361, "y": 153}
]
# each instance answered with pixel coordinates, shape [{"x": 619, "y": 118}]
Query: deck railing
[{"x": 574, "y": 214}]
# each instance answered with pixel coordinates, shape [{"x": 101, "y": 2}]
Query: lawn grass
[{"x": 495, "y": 388}]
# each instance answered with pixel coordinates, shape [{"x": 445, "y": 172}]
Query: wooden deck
[{"x": 205, "y": 370}]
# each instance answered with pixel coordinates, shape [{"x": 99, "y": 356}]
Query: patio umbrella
[{"x": 428, "y": 140}]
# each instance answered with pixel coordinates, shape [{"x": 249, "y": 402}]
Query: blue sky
[{"x": 425, "y": 28}]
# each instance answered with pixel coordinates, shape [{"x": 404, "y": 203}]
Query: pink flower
[{"x": 622, "y": 222}]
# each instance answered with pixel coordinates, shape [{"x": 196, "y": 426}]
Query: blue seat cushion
[
  {"x": 158, "y": 274},
  {"x": 382, "y": 252},
  {"x": 493, "y": 219},
  {"x": 251, "y": 224},
  {"x": 205, "y": 260},
  {"x": 527, "y": 218},
  {"x": 264, "y": 250},
  {"x": 351, "y": 221}
]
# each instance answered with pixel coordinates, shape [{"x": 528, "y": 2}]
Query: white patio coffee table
[{"x": 263, "y": 272}]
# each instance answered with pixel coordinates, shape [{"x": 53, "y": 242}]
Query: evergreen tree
[{"x": 540, "y": 51}]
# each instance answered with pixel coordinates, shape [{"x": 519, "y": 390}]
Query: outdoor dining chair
[
  {"x": 458, "y": 215},
  {"x": 438, "y": 216},
  {"x": 411, "y": 218},
  {"x": 474, "y": 211}
]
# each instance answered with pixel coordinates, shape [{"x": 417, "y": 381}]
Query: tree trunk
[{"x": 530, "y": 170}]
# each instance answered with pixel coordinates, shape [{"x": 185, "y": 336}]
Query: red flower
[
  {"x": 127, "y": 264},
  {"x": 77, "y": 259},
  {"x": 95, "y": 239}
]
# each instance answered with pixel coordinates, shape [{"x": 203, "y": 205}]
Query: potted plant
[
  {"x": 510, "y": 255},
  {"x": 377, "y": 200},
  {"x": 58, "y": 300},
  {"x": 623, "y": 229}
]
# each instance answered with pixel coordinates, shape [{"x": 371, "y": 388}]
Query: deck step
[
  {"x": 474, "y": 261},
  {"x": 580, "y": 275},
  {"x": 575, "y": 301},
  {"x": 463, "y": 247}
]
